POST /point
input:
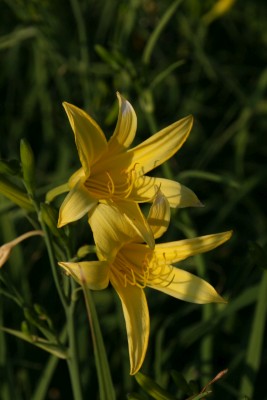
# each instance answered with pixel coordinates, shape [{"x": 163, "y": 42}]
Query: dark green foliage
[{"x": 168, "y": 62}]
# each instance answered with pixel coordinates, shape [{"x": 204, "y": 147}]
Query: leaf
[
  {"x": 135, "y": 396},
  {"x": 53, "y": 348},
  {"x": 152, "y": 388}
]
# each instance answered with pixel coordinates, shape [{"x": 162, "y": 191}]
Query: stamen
[
  {"x": 111, "y": 186},
  {"x": 104, "y": 186},
  {"x": 150, "y": 274}
]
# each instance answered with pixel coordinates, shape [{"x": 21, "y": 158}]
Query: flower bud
[
  {"x": 15, "y": 194},
  {"x": 28, "y": 165}
]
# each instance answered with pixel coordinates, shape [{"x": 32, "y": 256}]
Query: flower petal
[
  {"x": 76, "y": 204},
  {"x": 78, "y": 175},
  {"x": 114, "y": 224},
  {"x": 136, "y": 317},
  {"x": 110, "y": 229},
  {"x": 93, "y": 274},
  {"x": 178, "y": 195},
  {"x": 173, "y": 252},
  {"x": 125, "y": 130},
  {"x": 161, "y": 146},
  {"x": 135, "y": 217},
  {"x": 90, "y": 140},
  {"x": 159, "y": 215},
  {"x": 188, "y": 287}
]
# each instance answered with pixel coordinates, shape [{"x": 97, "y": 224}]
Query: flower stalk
[
  {"x": 69, "y": 308},
  {"x": 103, "y": 372}
]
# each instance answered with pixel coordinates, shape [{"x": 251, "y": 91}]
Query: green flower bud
[
  {"x": 28, "y": 165},
  {"x": 15, "y": 194},
  {"x": 26, "y": 329}
]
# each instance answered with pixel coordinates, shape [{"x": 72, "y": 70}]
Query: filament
[{"x": 148, "y": 273}]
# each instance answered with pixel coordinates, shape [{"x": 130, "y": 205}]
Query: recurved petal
[
  {"x": 92, "y": 274},
  {"x": 159, "y": 215},
  {"x": 188, "y": 287},
  {"x": 90, "y": 140},
  {"x": 125, "y": 129},
  {"x": 136, "y": 317},
  {"x": 161, "y": 146},
  {"x": 173, "y": 252},
  {"x": 76, "y": 204},
  {"x": 178, "y": 195}
]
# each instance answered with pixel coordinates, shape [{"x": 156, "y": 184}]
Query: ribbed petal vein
[
  {"x": 161, "y": 146},
  {"x": 110, "y": 229},
  {"x": 125, "y": 130},
  {"x": 75, "y": 205},
  {"x": 136, "y": 317},
  {"x": 178, "y": 195},
  {"x": 173, "y": 252},
  {"x": 90, "y": 140},
  {"x": 185, "y": 286},
  {"x": 92, "y": 274},
  {"x": 159, "y": 215}
]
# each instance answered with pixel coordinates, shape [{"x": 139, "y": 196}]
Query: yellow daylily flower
[
  {"x": 130, "y": 266},
  {"x": 112, "y": 172}
]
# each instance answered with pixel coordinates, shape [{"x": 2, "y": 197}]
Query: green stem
[
  {"x": 254, "y": 351},
  {"x": 6, "y": 387},
  {"x": 206, "y": 346},
  {"x": 158, "y": 30},
  {"x": 40, "y": 391},
  {"x": 73, "y": 363},
  {"x": 78, "y": 15},
  {"x": 68, "y": 303},
  {"x": 69, "y": 309},
  {"x": 103, "y": 372},
  {"x": 153, "y": 127},
  {"x": 53, "y": 264}
]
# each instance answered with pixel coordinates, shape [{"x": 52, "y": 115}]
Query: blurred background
[{"x": 169, "y": 59}]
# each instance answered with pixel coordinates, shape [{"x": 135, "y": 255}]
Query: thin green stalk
[
  {"x": 206, "y": 346},
  {"x": 69, "y": 309},
  {"x": 40, "y": 391},
  {"x": 76, "y": 8},
  {"x": 159, "y": 28},
  {"x": 153, "y": 127},
  {"x": 254, "y": 351},
  {"x": 72, "y": 360},
  {"x": 53, "y": 264},
  {"x": 5, "y": 389},
  {"x": 103, "y": 372}
]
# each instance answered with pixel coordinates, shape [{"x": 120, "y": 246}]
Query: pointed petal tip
[
  {"x": 199, "y": 204},
  {"x": 190, "y": 119},
  {"x": 61, "y": 223},
  {"x": 120, "y": 97},
  {"x": 65, "y": 104},
  {"x": 134, "y": 371},
  {"x": 228, "y": 234},
  {"x": 218, "y": 299}
]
